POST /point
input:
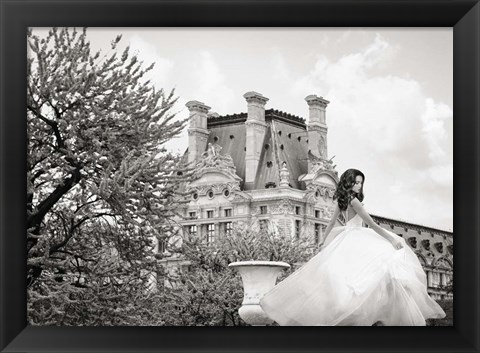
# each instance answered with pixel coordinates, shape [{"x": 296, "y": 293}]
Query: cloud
[
  {"x": 210, "y": 83},
  {"x": 149, "y": 53},
  {"x": 207, "y": 83},
  {"x": 434, "y": 130},
  {"x": 386, "y": 126},
  {"x": 279, "y": 67}
]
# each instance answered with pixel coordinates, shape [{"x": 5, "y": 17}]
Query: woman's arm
[
  {"x": 330, "y": 225},
  {"x": 357, "y": 206}
]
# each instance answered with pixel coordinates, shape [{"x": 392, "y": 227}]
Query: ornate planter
[{"x": 258, "y": 278}]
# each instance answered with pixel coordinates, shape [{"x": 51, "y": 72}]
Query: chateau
[{"x": 269, "y": 168}]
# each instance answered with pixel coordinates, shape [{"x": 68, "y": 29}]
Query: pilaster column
[{"x": 218, "y": 232}]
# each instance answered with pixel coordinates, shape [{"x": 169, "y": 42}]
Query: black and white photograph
[{"x": 240, "y": 176}]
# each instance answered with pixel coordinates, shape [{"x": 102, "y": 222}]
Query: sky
[{"x": 390, "y": 91}]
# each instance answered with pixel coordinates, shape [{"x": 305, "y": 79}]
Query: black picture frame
[{"x": 18, "y": 15}]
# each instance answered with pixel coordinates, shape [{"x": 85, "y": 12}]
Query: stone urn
[{"x": 258, "y": 278}]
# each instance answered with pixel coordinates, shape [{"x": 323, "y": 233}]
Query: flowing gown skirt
[{"x": 356, "y": 280}]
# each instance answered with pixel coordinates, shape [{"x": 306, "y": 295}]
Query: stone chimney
[
  {"x": 197, "y": 130},
  {"x": 255, "y": 127},
  {"x": 317, "y": 127}
]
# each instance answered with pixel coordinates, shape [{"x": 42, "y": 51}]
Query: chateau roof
[
  {"x": 285, "y": 140},
  {"x": 270, "y": 114}
]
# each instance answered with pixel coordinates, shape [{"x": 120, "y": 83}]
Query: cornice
[{"x": 411, "y": 226}]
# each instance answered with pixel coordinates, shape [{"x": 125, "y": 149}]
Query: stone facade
[
  {"x": 434, "y": 248},
  {"x": 270, "y": 167}
]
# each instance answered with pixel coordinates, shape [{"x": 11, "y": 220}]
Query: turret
[{"x": 317, "y": 128}]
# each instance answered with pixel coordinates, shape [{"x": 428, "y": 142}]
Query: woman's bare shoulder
[
  {"x": 355, "y": 202},
  {"x": 356, "y": 205}
]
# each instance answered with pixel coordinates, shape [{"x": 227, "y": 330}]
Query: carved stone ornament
[
  {"x": 241, "y": 197},
  {"x": 328, "y": 212},
  {"x": 213, "y": 162},
  {"x": 217, "y": 188},
  {"x": 320, "y": 163},
  {"x": 282, "y": 207},
  {"x": 316, "y": 191},
  {"x": 325, "y": 192},
  {"x": 212, "y": 158},
  {"x": 426, "y": 244},
  {"x": 413, "y": 242},
  {"x": 439, "y": 247},
  {"x": 284, "y": 176},
  {"x": 322, "y": 148},
  {"x": 443, "y": 263},
  {"x": 255, "y": 211},
  {"x": 450, "y": 248}
]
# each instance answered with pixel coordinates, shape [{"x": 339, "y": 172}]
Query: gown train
[{"x": 358, "y": 279}]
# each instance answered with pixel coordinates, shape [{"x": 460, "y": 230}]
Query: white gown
[{"x": 359, "y": 278}]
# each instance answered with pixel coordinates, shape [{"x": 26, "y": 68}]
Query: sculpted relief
[
  {"x": 322, "y": 148},
  {"x": 283, "y": 207},
  {"x": 215, "y": 173},
  {"x": 212, "y": 158}
]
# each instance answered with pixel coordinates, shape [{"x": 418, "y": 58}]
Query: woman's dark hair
[{"x": 344, "y": 193}]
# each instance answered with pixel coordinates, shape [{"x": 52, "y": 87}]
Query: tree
[
  {"x": 447, "y": 306},
  {"x": 101, "y": 188},
  {"x": 210, "y": 293}
]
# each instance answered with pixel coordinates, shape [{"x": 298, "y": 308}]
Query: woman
[{"x": 361, "y": 276}]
